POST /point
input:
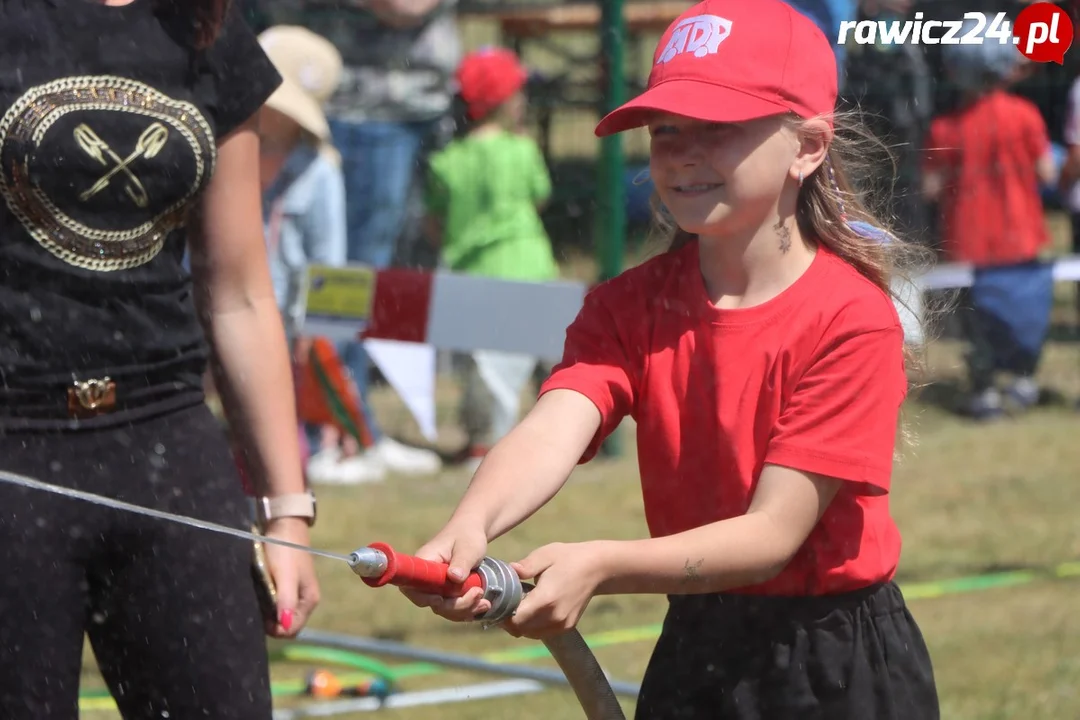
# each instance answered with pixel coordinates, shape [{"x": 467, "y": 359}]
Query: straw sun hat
[{"x": 310, "y": 67}]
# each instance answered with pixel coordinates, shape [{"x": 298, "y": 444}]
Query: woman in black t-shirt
[{"x": 126, "y": 136}]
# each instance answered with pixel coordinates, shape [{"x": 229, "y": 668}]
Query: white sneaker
[
  {"x": 986, "y": 405},
  {"x": 1024, "y": 392},
  {"x": 328, "y": 468},
  {"x": 321, "y": 464},
  {"x": 403, "y": 459},
  {"x": 359, "y": 469}
]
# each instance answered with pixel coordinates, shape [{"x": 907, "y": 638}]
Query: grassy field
[{"x": 969, "y": 499}]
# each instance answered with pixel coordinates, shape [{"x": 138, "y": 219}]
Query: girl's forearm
[
  {"x": 255, "y": 380},
  {"x": 733, "y": 553}
]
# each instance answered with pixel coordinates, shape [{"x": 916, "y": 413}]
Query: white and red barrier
[
  {"x": 445, "y": 310},
  {"x": 404, "y": 316}
]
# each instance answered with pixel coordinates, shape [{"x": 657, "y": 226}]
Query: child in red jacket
[{"x": 983, "y": 166}]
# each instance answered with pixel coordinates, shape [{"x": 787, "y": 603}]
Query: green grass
[{"x": 968, "y": 498}]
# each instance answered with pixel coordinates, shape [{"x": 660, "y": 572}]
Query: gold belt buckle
[{"x": 87, "y": 398}]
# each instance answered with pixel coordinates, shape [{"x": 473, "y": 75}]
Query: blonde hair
[{"x": 828, "y": 202}]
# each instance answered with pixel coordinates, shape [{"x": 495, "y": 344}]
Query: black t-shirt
[{"x": 109, "y": 121}]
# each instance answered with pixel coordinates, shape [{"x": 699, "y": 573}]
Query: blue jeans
[{"x": 379, "y": 161}]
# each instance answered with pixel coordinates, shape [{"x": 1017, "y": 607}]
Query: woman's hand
[
  {"x": 567, "y": 576},
  {"x": 293, "y": 572},
  {"x": 462, "y": 547}
]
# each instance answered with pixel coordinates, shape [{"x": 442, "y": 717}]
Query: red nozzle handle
[{"x": 423, "y": 575}]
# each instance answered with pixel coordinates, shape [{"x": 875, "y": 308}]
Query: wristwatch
[{"x": 301, "y": 505}]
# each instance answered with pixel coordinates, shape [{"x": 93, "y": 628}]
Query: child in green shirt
[{"x": 483, "y": 198}]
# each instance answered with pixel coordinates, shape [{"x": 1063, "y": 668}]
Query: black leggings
[{"x": 170, "y": 611}]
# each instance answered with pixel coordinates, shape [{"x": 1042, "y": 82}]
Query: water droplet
[
  {"x": 159, "y": 449},
  {"x": 35, "y": 314},
  {"x": 55, "y": 466}
]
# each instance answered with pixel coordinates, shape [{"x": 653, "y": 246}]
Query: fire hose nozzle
[
  {"x": 368, "y": 562},
  {"x": 378, "y": 564}
]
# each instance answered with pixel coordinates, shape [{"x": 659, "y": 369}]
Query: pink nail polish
[{"x": 285, "y": 617}]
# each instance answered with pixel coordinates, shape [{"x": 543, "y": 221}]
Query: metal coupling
[{"x": 502, "y": 588}]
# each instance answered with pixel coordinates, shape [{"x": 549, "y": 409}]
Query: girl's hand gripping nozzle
[{"x": 378, "y": 564}]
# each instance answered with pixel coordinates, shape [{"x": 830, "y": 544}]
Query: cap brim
[
  {"x": 688, "y": 98},
  {"x": 291, "y": 100}
]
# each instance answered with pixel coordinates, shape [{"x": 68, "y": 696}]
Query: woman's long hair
[
  {"x": 204, "y": 18},
  {"x": 196, "y": 23},
  {"x": 209, "y": 17}
]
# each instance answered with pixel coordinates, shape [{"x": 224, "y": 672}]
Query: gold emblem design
[
  {"x": 149, "y": 144},
  {"x": 104, "y": 249}
]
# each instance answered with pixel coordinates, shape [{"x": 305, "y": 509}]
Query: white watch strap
[{"x": 295, "y": 505}]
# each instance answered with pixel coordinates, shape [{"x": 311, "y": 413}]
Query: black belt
[{"x": 90, "y": 397}]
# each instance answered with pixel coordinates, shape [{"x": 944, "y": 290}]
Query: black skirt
[{"x": 855, "y": 656}]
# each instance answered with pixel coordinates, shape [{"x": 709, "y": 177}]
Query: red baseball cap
[
  {"x": 487, "y": 78},
  {"x": 736, "y": 60}
]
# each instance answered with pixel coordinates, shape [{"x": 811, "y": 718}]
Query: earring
[
  {"x": 800, "y": 178},
  {"x": 641, "y": 178}
]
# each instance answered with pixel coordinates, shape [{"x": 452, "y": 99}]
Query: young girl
[
  {"x": 763, "y": 362},
  {"x": 484, "y": 192}
]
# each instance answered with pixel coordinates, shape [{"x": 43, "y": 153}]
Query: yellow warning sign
[{"x": 340, "y": 293}]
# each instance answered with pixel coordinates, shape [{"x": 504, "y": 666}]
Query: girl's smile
[{"x": 696, "y": 189}]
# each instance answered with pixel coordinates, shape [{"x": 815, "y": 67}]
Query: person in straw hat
[
  {"x": 305, "y": 213},
  {"x": 303, "y": 187}
]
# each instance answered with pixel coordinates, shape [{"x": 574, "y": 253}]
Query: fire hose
[{"x": 378, "y": 564}]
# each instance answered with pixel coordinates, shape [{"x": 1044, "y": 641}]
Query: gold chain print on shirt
[{"x": 100, "y": 169}]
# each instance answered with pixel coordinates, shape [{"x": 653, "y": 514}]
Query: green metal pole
[{"x": 611, "y": 194}]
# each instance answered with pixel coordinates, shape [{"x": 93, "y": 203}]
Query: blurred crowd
[
  {"x": 982, "y": 141},
  {"x": 389, "y": 145}
]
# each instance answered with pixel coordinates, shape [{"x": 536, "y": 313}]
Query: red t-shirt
[
  {"x": 991, "y": 211},
  {"x": 812, "y": 379}
]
